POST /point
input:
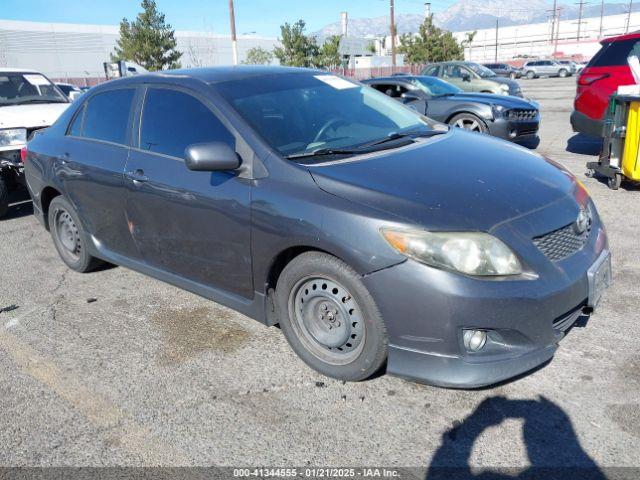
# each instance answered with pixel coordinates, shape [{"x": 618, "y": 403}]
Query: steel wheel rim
[
  {"x": 67, "y": 234},
  {"x": 327, "y": 320},
  {"x": 468, "y": 124}
]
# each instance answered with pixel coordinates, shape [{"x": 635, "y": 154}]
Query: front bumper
[
  {"x": 514, "y": 130},
  {"x": 429, "y": 308}
]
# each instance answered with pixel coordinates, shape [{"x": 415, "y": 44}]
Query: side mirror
[
  {"x": 408, "y": 97},
  {"x": 211, "y": 157},
  {"x": 466, "y": 77},
  {"x": 74, "y": 95}
]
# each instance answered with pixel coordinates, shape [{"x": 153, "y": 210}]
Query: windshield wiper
[
  {"x": 40, "y": 100},
  {"x": 397, "y": 135},
  {"x": 367, "y": 147},
  {"x": 322, "y": 152}
]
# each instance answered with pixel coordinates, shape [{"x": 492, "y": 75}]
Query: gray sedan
[{"x": 375, "y": 238}]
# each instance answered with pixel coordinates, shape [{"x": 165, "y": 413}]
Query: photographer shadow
[{"x": 552, "y": 446}]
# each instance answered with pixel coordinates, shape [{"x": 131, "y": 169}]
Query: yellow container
[{"x": 631, "y": 154}]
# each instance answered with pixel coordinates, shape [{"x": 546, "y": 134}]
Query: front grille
[
  {"x": 522, "y": 115},
  {"x": 562, "y": 243}
]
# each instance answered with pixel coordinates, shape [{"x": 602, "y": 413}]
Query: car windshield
[
  {"x": 299, "y": 113},
  {"x": 24, "y": 88},
  {"x": 484, "y": 72},
  {"x": 435, "y": 87}
]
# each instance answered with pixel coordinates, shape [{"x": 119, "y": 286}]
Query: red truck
[{"x": 606, "y": 71}]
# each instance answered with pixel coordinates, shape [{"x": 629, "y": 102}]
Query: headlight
[
  {"x": 473, "y": 253},
  {"x": 13, "y": 136},
  {"x": 498, "y": 111},
  {"x": 504, "y": 89}
]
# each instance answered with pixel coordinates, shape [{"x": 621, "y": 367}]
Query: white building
[
  {"x": 74, "y": 51},
  {"x": 536, "y": 40}
]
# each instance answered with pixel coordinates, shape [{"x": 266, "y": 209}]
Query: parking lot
[{"x": 115, "y": 368}]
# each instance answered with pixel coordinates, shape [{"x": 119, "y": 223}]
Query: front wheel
[
  {"x": 513, "y": 75},
  {"x": 69, "y": 237},
  {"x": 4, "y": 196},
  {"x": 531, "y": 75},
  {"x": 329, "y": 318},
  {"x": 563, "y": 73},
  {"x": 469, "y": 121}
]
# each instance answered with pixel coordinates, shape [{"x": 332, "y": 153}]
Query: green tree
[
  {"x": 148, "y": 40},
  {"x": 297, "y": 50},
  {"x": 431, "y": 44},
  {"x": 329, "y": 54},
  {"x": 258, "y": 56}
]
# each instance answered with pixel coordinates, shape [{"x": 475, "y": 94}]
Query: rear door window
[
  {"x": 614, "y": 54},
  {"x": 106, "y": 116},
  {"x": 432, "y": 71},
  {"x": 173, "y": 120}
]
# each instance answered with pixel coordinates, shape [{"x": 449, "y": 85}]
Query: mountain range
[{"x": 467, "y": 15}]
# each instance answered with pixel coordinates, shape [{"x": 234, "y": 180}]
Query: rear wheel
[
  {"x": 4, "y": 196},
  {"x": 531, "y": 75},
  {"x": 329, "y": 318},
  {"x": 469, "y": 121},
  {"x": 69, "y": 237}
]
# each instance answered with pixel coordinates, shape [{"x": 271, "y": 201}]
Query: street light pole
[
  {"x": 234, "y": 41},
  {"x": 393, "y": 33}
]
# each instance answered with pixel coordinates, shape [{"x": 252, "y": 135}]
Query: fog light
[
  {"x": 513, "y": 133},
  {"x": 474, "y": 340}
]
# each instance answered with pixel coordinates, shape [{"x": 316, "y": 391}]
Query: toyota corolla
[{"x": 374, "y": 237}]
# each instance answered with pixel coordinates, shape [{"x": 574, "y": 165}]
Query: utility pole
[
  {"x": 580, "y": 7},
  {"x": 234, "y": 41},
  {"x": 393, "y": 33},
  {"x": 601, "y": 17},
  {"x": 496, "y": 55},
  {"x": 553, "y": 18},
  {"x": 629, "y": 16},
  {"x": 555, "y": 48}
]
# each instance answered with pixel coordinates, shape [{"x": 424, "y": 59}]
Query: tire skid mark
[{"x": 97, "y": 409}]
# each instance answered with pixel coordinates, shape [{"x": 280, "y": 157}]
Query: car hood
[
  {"x": 32, "y": 115},
  {"x": 456, "y": 181},
  {"x": 513, "y": 84},
  {"x": 507, "y": 101}
]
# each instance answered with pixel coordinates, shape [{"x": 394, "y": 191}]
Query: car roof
[
  {"x": 211, "y": 75},
  {"x": 14, "y": 70},
  {"x": 626, "y": 36},
  {"x": 392, "y": 78}
]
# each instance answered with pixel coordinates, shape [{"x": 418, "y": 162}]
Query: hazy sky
[{"x": 261, "y": 16}]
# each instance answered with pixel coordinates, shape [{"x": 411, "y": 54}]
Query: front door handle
[
  {"x": 64, "y": 158},
  {"x": 138, "y": 176}
]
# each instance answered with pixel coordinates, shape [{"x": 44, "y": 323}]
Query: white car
[{"x": 29, "y": 101}]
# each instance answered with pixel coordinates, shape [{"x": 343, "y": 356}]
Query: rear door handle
[{"x": 138, "y": 176}]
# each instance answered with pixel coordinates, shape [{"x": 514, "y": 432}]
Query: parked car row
[{"x": 372, "y": 235}]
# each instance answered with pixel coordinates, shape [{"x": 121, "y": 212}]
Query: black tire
[
  {"x": 470, "y": 122},
  {"x": 513, "y": 75},
  {"x": 69, "y": 237},
  {"x": 563, "y": 73},
  {"x": 4, "y": 196},
  {"x": 348, "y": 339},
  {"x": 531, "y": 75}
]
